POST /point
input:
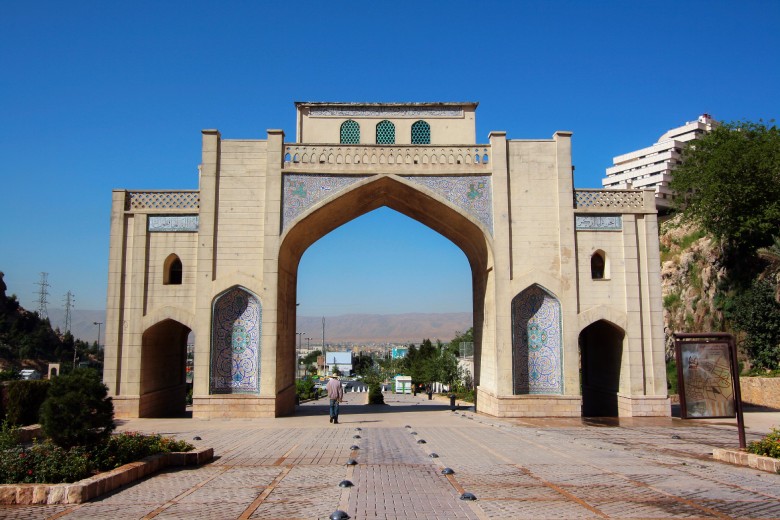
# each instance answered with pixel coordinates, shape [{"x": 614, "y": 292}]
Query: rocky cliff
[{"x": 691, "y": 269}]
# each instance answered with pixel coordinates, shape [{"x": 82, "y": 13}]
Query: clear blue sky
[{"x": 102, "y": 95}]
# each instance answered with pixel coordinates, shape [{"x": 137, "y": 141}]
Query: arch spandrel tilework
[
  {"x": 536, "y": 343},
  {"x": 235, "y": 343},
  {"x": 472, "y": 194},
  {"x": 301, "y": 192}
]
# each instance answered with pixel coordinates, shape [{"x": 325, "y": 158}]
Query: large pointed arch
[{"x": 399, "y": 195}]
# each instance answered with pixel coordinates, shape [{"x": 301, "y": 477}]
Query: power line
[
  {"x": 70, "y": 302},
  {"x": 43, "y": 293}
]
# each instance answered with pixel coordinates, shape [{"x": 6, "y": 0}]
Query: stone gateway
[{"x": 566, "y": 284}]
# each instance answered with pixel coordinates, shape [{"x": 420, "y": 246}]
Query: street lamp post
[
  {"x": 298, "y": 356},
  {"x": 98, "y": 323}
]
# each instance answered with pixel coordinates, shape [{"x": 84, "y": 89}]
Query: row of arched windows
[{"x": 385, "y": 132}]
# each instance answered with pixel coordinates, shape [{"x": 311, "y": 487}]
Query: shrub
[
  {"x": 128, "y": 447},
  {"x": 304, "y": 388},
  {"x": 375, "y": 394},
  {"x": 671, "y": 375},
  {"x": 78, "y": 411},
  {"x": 24, "y": 401},
  {"x": 757, "y": 313},
  {"x": 48, "y": 463},
  {"x": 769, "y": 446}
]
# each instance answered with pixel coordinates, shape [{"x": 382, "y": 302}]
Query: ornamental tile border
[
  {"x": 93, "y": 487},
  {"x": 598, "y": 222},
  {"x": 742, "y": 458}
]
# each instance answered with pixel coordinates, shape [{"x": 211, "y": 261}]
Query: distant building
[
  {"x": 338, "y": 360},
  {"x": 652, "y": 167},
  {"x": 399, "y": 352}
]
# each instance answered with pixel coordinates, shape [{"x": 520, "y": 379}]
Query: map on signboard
[{"x": 707, "y": 381}]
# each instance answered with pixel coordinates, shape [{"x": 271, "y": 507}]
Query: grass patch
[
  {"x": 672, "y": 301},
  {"x": 686, "y": 241}
]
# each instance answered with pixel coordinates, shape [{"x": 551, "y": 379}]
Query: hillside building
[{"x": 652, "y": 167}]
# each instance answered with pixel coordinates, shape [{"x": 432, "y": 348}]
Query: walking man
[{"x": 336, "y": 395}]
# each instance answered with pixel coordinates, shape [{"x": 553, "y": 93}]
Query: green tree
[
  {"x": 362, "y": 363},
  {"x": 461, "y": 337},
  {"x": 729, "y": 184},
  {"x": 447, "y": 368},
  {"x": 311, "y": 357},
  {"x": 757, "y": 313},
  {"x": 77, "y": 411}
]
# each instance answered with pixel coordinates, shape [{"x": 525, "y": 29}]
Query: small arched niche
[
  {"x": 598, "y": 265},
  {"x": 172, "y": 270}
]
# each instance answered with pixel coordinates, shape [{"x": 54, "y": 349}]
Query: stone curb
[
  {"x": 92, "y": 487},
  {"x": 742, "y": 458}
]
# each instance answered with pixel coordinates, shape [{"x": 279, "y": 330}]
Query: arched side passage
[
  {"x": 163, "y": 388},
  {"x": 601, "y": 357},
  {"x": 401, "y": 196},
  {"x": 537, "y": 345}
]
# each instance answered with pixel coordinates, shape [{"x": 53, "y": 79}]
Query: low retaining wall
[
  {"x": 92, "y": 487},
  {"x": 760, "y": 391},
  {"x": 747, "y": 459}
]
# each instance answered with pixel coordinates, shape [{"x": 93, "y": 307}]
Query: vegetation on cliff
[{"x": 720, "y": 254}]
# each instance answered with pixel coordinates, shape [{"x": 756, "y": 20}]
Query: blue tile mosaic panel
[
  {"x": 472, "y": 194},
  {"x": 235, "y": 343},
  {"x": 301, "y": 192},
  {"x": 536, "y": 343}
]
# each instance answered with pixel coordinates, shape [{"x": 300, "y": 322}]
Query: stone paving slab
[{"x": 290, "y": 468}]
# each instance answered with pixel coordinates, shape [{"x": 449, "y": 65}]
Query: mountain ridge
[{"x": 410, "y": 327}]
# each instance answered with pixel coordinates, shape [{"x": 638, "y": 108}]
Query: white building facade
[{"x": 652, "y": 167}]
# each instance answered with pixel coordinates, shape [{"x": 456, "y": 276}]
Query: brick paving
[{"x": 291, "y": 467}]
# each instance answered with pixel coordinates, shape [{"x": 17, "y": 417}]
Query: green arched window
[
  {"x": 385, "y": 132},
  {"x": 350, "y": 132},
  {"x": 421, "y": 133}
]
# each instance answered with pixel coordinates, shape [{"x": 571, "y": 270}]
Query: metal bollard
[{"x": 453, "y": 406}]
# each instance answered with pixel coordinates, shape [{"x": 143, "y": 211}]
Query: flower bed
[
  {"x": 95, "y": 486},
  {"x": 43, "y": 473},
  {"x": 742, "y": 458},
  {"x": 763, "y": 454}
]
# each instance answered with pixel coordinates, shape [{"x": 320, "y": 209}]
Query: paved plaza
[{"x": 516, "y": 468}]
